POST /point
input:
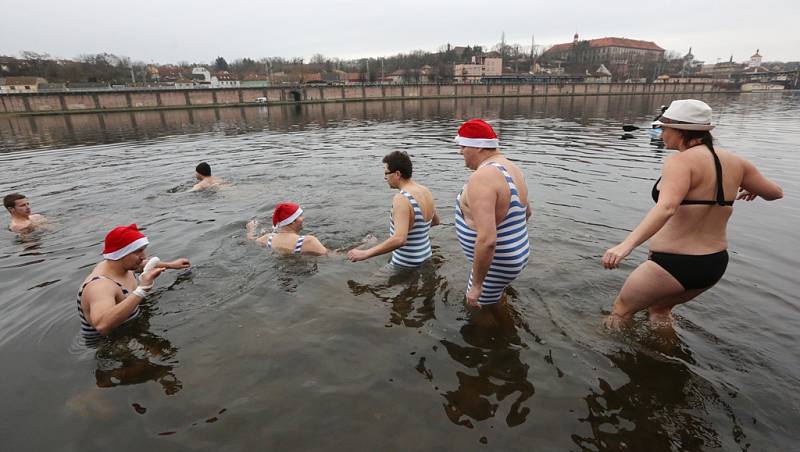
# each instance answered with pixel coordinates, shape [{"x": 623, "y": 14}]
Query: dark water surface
[{"x": 246, "y": 351}]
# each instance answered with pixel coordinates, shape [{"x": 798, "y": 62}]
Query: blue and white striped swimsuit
[
  {"x": 417, "y": 248},
  {"x": 298, "y": 245},
  {"x": 90, "y": 334},
  {"x": 512, "y": 246}
]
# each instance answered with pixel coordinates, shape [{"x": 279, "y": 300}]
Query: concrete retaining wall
[{"x": 57, "y": 103}]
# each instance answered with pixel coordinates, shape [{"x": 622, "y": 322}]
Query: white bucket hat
[{"x": 686, "y": 114}]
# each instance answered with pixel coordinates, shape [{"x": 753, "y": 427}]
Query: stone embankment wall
[{"x": 105, "y": 101}]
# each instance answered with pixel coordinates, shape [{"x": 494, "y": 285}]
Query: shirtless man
[
  {"x": 22, "y": 220},
  {"x": 413, "y": 214},
  {"x": 491, "y": 215},
  {"x": 285, "y": 238},
  {"x": 110, "y": 295},
  {"x": 204, "y": 177}
]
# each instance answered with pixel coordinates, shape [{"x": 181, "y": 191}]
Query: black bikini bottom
[{"x": 693, "y": 272}]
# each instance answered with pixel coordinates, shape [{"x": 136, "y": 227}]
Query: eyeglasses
[{"x": 386, "y": 173}]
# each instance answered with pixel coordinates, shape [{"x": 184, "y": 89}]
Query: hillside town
[{"x": 592, "y": 60}]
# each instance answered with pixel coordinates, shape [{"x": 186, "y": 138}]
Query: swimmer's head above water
[
  {"x": 203, "y": 170},
  {"x": 478, "y": 142},
  {"x": 396, "y": 165},
  {"x": 127, "y": 245},
  {"x": 287, "y": 214}
]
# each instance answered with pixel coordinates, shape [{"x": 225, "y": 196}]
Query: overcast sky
[{"x": 198, "y": 30}]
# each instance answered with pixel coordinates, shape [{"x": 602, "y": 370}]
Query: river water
[{"x": 247, "y": 351}]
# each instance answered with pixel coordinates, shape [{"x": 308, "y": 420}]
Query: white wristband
[{"x": 140, "y": 292}]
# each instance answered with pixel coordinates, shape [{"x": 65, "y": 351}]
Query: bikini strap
[{"x": 720, "y": 190}]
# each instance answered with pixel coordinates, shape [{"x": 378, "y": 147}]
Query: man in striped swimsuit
[
  {"x": 491, "y": 215},
  {"x": 413, "y": 214},
  {"x": 110, "y": 296}
]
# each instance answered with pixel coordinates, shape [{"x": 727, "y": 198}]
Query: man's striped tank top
[
  {"x": 417, "y": 248},
  {"x": 512, "y": 246},
  {"x": 90, "y": 335}
]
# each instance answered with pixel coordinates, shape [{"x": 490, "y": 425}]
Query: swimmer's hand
[
  {"x": 472, "y": 296},
  {"x": 615, "y": 255},
  {"x": 746, "y": 195},
  {"x": 147, "y": 279},
  {"x": 251, "y": 229},
  {"x": 177, "y": 264},
  {"x": 357, "y": 255}
]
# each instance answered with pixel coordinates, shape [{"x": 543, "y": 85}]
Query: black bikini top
[{"x": 720, "y": 201}]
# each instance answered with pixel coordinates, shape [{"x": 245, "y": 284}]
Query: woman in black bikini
[{"x": 686, "y": 228}]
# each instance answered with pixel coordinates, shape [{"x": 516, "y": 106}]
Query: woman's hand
[
  {"x": 615, "y": 255},
  {"x": 745, "y": 195}
]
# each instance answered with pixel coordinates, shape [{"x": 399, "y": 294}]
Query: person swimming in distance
[
  {"x": 204, "y": 177},
  {"x": 285, "y": 238},
  {"x": 22, "y": 220}
]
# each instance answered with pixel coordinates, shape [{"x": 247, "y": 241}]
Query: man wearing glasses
[{"x": 413, "y": 213}]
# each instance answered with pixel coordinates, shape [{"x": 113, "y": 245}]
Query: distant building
[
  {"x": 21, "y": 84},
  {"x": 725, "y": 69},
  {"x": 478, "y": 68},
  {"x": 755, "y": 60},
  {"x": 597, "y": 51},
  {"x": 426, "y": 74},
  {"x": 203, "y": 79},
  {"x": 601, "y": 75},
  {"x": 690, "y": 65}
]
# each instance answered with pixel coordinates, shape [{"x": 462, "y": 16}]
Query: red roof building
[{"x": 604, "y": 50}]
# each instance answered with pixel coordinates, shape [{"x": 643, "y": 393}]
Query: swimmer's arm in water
[
  {"x": 675, "y": 184},
  {"x": 312, "y": 246},
  {"x": 105, "y": 313},
  {"x": 251, "y": 233},
  {"x": 401, "y": 216},
  {"x": 755, "y": 184},
  {"x": 435, "y": 221},
  {"x": 177, "y": 264}
]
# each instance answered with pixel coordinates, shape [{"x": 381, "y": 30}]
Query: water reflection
[
  {"x": 35, "y": 132},
  {"x": 665, "y": 406},
  {"x": 134, "y": 354},
  {"x": 412, "y": 294},
  {"x": 492, "y": 348}
]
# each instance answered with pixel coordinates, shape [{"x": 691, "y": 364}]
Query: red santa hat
[
  {"x": 477, "y": 133},
  {"x": 123, "y": 240},
  {"x": 285, "y": 214}
]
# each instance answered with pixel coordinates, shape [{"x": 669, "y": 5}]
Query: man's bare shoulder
[
  {"x": 21, "y": 227},
  {"x": 99, "y": 287},
  {"x": 486, "y": 176}
]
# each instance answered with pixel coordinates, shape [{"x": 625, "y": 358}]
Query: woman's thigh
[{"x": 648, "y": 285}]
